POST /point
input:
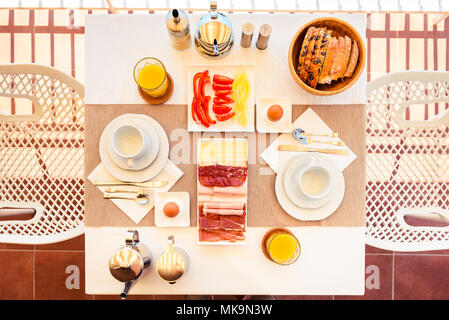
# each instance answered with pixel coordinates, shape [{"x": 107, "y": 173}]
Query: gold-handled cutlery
[
  {"x": 288, "y": 147},
  {"x": 308, "y": 140},
  {"x": 148, "y": 184},
  {"x": 141, "y": 198},
  {"x": 298, "y": 133},
  {"x": 138, "y": 191}
]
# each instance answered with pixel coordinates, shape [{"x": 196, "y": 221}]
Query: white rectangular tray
[
  {"x": 231, "y": 124},
  {"x": 225, "y": 243}
]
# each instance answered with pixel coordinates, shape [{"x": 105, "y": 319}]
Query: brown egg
[
  {"x": 275, "y": 112},
  {"x": 171, "y": 209}
]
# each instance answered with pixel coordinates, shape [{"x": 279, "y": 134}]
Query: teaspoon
[{"x": 141, "y": 199}]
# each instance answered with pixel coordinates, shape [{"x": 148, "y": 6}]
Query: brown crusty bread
[
  {"x": 352, "y": 59},
  {"x": 304, "y": 46},
  {"x": 346, "y": 55},
  {"x": 324, "y": 77},
  {"x": 337, "y": 62},
  {"x": 316, "y": 65},
  {"x": 303, "y": 71}
]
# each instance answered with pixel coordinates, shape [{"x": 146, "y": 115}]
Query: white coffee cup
[
  {"x": 129, "y": 142},
  {"x": 314, "y": 180}
]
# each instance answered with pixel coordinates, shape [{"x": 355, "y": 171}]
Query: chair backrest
[
  {"x": 408, "y": 161},
  {"x": 42, "y": 155}
]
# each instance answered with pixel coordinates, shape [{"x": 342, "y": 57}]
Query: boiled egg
[
  {"x": 171, "y": 209},
  {"x": 275, "y": 112}
]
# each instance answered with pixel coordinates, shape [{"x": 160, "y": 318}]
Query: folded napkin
[
  {"x": 309, "y": 121},
  {"x": 136, "y": 212}
]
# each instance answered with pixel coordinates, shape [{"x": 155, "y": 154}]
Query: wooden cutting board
[{"x": 263, "y": 207}]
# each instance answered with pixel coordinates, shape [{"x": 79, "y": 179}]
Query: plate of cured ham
[{"x": 222, "y": 190}]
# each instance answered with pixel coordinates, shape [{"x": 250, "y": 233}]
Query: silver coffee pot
[
  {"x": 213, "y": 37},
  {"x": 173, "y": 263},
  {"x": 130, "y": 261}
]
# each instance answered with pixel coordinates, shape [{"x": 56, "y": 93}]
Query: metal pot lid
[
  {"x": 126, "y": 264},
  {"x": 214, "y": 33}
]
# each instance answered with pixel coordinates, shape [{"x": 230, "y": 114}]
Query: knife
[
  {"x": 298, "y": 148},
  {"x": 148, "y": 184}
]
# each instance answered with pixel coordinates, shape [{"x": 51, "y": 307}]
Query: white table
[
  {"x": 332, "y": 262},
  {"x": 333, "y": 258},
  {"x": 114, "y": 43}
]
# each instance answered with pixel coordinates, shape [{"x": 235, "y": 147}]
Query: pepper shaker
[
  {"x": 264, "y": 35},
  {"x": 247, "y": 35}
]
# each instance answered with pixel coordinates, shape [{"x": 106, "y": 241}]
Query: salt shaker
[{"x": 178, "y": 28}]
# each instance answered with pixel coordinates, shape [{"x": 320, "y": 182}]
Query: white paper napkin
[
  {"x": 310, "y": 122},
  {"x": 136, "y": 212}
]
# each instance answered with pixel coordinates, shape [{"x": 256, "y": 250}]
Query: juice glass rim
[
  {"x": 280, "y": 232},
  {"x": 163, "y": 67}
]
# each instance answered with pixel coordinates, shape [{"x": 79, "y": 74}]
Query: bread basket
[{"x": 339, "y": 28}]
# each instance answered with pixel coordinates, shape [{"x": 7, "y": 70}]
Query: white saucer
[
  {"x": 136, "y": 175},
  {"x": 182, "y": 199},
  {"x": 293, "y": 191},
  {"x": 307, "y": 214},
  {"x": 150, "y": 154}
]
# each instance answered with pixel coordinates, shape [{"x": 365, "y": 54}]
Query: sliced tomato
[
  {"x": 225, "y": 116},
  {"x": 223, "y": 80},
  {"x": 223, "y": 100},
  {"x": 219, "y": 87},
  {"x": 205, "y": 106},
  {"x": 223, "y": 93},
  {"x": 221, "y": 109}
]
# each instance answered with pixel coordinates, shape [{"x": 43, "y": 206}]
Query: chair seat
[{"x": 42, "y": 155}]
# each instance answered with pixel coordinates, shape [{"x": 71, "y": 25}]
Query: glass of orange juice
[
  {"x": 150, "y": 75},
  {"x": 281, "y": 246}
]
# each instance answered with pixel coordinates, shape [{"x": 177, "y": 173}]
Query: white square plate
[
  {"x": 264, "y": 125},
  {"x": 182, "y": 199},
  {"x": 230, "y": 125}
]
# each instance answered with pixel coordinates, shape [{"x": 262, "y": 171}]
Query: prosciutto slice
[
  {"x": 214, "y": 236},
  {"x": 233, "y": 222},
  {"x": 209, "y": 222}
]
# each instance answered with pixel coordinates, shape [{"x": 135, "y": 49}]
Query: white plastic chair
[
  {"x": 407, "y": 162},
  {"x": 42, "y": 155}
]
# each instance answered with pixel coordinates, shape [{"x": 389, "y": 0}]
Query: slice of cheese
[{"x": 228, "y": 152}]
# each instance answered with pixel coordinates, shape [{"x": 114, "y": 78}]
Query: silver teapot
[
  {"x": 213, "y": 37},
  {"x": 130, "y": 261}
]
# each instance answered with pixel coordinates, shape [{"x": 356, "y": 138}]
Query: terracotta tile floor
[{"x": 56, "y": 37}]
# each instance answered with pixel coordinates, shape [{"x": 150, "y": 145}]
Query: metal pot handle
[{"x": 131, "y": 238}]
